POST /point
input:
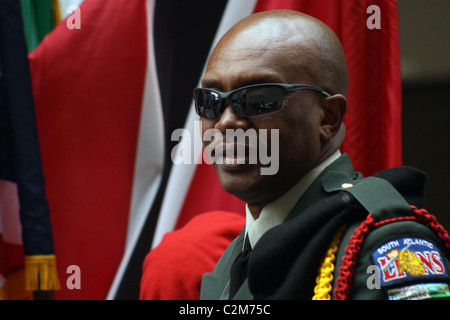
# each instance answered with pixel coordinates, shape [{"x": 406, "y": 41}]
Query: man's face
[{"x": 243, "y": 62}]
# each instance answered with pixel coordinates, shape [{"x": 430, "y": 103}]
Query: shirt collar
[{"x": 275, "y": 212}]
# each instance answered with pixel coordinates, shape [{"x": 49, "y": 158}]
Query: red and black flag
[{"x": 27, "y": 260}]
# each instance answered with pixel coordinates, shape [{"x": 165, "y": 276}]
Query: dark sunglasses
[{"x": 246, "y": 101}]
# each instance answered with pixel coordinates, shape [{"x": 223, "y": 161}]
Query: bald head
[{"x": 305, "y": 43}]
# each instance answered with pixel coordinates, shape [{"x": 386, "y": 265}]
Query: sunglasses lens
[
  {"x": 248, "y": 101},
  {"x": 207, "y": 103},
  {"x": 254, "y": 101}
]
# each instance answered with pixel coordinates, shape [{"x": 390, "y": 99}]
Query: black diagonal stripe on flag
[{"x": 183, "y": 32}]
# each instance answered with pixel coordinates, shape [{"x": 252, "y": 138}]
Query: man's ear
[{"x": 334, "y": 109}]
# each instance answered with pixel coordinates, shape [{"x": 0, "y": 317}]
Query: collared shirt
[{"x": 275, "y": 212}]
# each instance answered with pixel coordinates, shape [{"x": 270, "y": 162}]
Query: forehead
[
  {"x": 226, "y": 73},
  {"x": 268, "y": 55}
]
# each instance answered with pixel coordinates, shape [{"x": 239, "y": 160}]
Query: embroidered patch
[
  {"x": 408, "y": 258},
  {"x": 420, "y": 292}
]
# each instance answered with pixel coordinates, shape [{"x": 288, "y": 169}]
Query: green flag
[{"x": 38, "y": 19}]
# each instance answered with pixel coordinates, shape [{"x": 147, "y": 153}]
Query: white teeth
[{"x": 240, "y": 160}]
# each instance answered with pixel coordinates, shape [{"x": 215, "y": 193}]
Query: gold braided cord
[{"x": 323, "y": 286}]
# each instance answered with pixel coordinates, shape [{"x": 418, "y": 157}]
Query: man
[{"x": 296, "y": 217}]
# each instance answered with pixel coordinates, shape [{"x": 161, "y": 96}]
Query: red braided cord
[
  {"x": 346, "y": 271},
  {"x": 344, "y": 280},
  {"x": 427, "y": 218},
  {"x": 396, "y": 219}
]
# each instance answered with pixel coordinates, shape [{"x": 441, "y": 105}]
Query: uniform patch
[
  {"x": 408, "y": 258},
  {"x": 420, "y": 292}
]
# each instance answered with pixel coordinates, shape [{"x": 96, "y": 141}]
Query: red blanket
[{"x": 174, "y": 269}]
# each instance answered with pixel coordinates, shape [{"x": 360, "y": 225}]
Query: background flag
[
  {"x": 100, "y": 126},
  {"x": 27, "y": 260},
  {"x": 38, "y": 19}
]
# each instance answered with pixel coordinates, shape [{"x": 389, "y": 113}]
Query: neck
[
  {"x": 302, "y": 184},
  {"x": 256, "y": 209}
]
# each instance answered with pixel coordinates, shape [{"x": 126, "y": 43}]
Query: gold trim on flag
[{"x": 41, "y": 273}]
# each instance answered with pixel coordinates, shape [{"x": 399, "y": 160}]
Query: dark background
[{"x": 425, "y": 62}]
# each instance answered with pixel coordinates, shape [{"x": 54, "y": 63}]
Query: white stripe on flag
[
  {"x": 64, "y": 5},
  {"x": 181, "y": 175},
  {"x": 149, "y": 156}
]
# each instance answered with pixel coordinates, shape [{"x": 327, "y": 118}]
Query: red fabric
[
  {"x": 174, "y": 269},
  {"x": 373, "y": 118},
  {"x": 88, "y": 88}
]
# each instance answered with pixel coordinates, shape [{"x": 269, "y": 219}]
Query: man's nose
[{"x": 231, "y": 120}]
